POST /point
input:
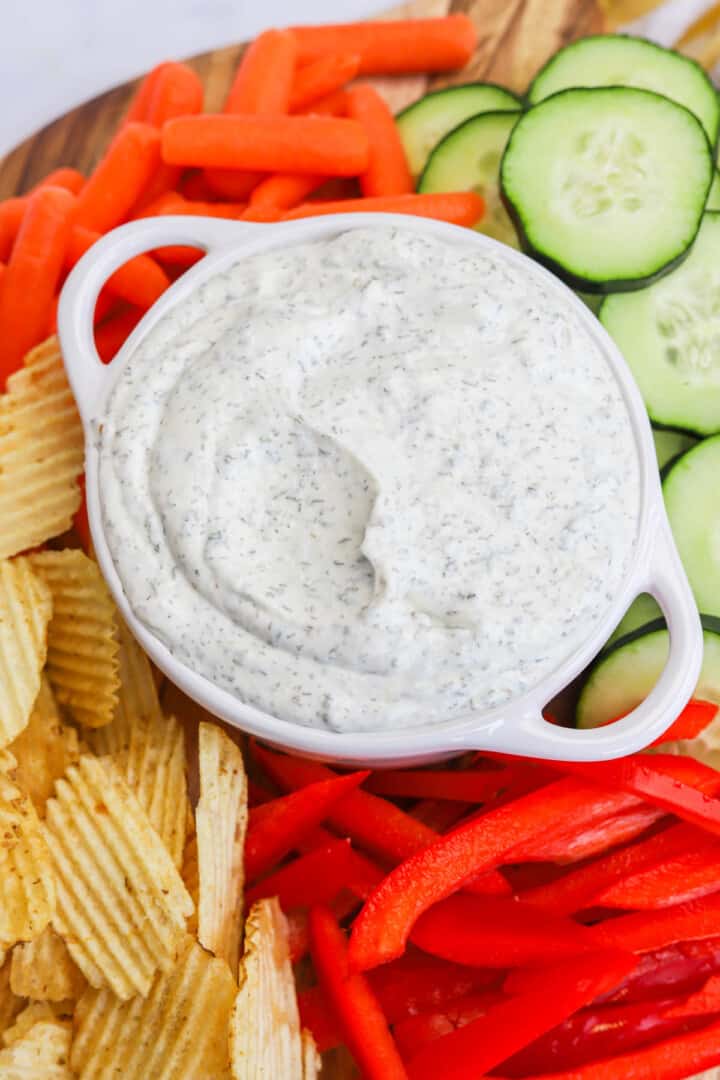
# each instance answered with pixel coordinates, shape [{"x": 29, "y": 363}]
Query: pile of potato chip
[{"x": 122, "y": 946}]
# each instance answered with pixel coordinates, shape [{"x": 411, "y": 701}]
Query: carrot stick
[
  {"x": 176, "y": 91},
  {"x": 176, "y": 257},
  {"x": 284, "y": 190},
  {"x": 303, "y": 144},
  {"x": 165, "y": 179},
  {"x": 52, "y": 317},
  {"x": 140, "y": 104},
  {"x": 264, "y": 78},
  {"x": 172, "y": 203},
  {"x": 105, "y": 304},
  {"x": 195, "y": 186},
  {"x": 119, "y": 178},
  {"x": 387, "y": 172},
  {"x": 392, "y": 48},
  {"x": 334, "y": 104},
  {"x": 11, "y": 215},
  {"x": 232, "y": 183},
  {"x": 322, "y": 77},
  {"x": 457, "y": 207},
  {"x": 65, "y": 177},
  {"x": 32, "y": 275},
  {"x": 3, "y": 272},
  {"x": 110, "y": 335},
  {"x": 140, "y": 281}
]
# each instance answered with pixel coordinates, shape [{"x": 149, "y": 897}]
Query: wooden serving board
[{"x": 515, "y": 39}]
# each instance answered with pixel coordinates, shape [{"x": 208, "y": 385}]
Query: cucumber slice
[
  {"x": 669, "y": 445},
  {"x": 607, "y": 186},
  {"x": 591, "y": 300},
  {"x": 625, "y": 675},
  {"x": 424, "y": 123},
  {"x": 669, "y": 334},
  {"x": 692, "y": 500},
  {"x": 468, "y": 159},
  {"x": 713, "y": 199},
  {"x": 619, "y": 60},
  {"x": 643, "y": 610}
]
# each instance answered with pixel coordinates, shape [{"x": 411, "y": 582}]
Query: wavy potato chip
[
  {"x": 137, "y": 696},
  {"x": 178, "y": 1032},
  {"x": 121, "y": 903},
  {"x": 43, "y": 970},
  {"x": 312, "y": 1062},
  {"x": 221, "y": 817},
  {"x": 27, "y": 885},
  {"x": 82, "y": 636},
  {"x": 41, "y": 448},
  {"x": 10, "y": 1003},
  {"x": 41, "y": 1052},
  {"x": 264, "y": 1026},
  {"x": 25, "y": 611},
  {"x": 45, "y": 749},
  {"x": 190, "y": 875},
  {"x": 25, "y": 1020}
]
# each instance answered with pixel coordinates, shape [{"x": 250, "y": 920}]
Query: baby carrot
[
  {"x": 284, "y": 190},
  {"x": 457, "y": 207},
  {"x": 140, "y": 281},
  {"x": 334, "y": 104},
  {"x": 387, "y": 172},
  {"x": 140, "y": 104},
  {"x": 32, "y": 275},
  {"x": 322, "y": 77},
  {"x": 11, "y": 215},
  {"x": 65, "y": 177},
  {"x": 172, "y": 203},
  {"x": 264, "y": 78},
  {"x": 178, "y": 257},
  {"x": 195, "y": 186},
  {"x": 177, "y": 91},
  {"x": 302, "y": 144},
  {"x": 232, "y": 184},
  {"x": 392, "y": 48},
  {"x": 110, "y": 335},
  {"x": 119, "y": 178}
]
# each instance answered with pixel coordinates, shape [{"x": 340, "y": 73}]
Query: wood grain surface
[{"x": 515, "y": 37}]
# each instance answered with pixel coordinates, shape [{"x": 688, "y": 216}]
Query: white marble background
[{"x": 55, "y": 54}]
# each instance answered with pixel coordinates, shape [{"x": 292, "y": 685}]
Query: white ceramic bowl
[{"x": 516, "y": 727}]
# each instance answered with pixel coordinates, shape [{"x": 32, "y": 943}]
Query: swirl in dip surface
[{"x": 370, "y": 482}]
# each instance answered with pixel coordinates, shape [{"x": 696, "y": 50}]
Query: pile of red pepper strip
[{"x": 515, "y": 918}]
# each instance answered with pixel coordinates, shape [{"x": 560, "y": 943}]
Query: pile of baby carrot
[{"x": 291, "y": 128}]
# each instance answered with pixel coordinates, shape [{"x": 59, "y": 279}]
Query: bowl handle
[
  {"x": 667, "y": 582},
  {"x": 85, "y": 370}
]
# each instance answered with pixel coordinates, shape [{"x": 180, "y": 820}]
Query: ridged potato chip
[
  {"x": 82, "y": 637},
  {"x": 27, "y": 885},
  {"x": 178, "y": 1032},
  {"x": 137, "y": 696},
  {"x": 41, "y": 448},
  {"x": 42, "y": 1052},
  {"x": 312, "y": 1062},
  {"x": 10, "y": 1003},
  {"x": 221, "y": 817},
  {"x": 121, "y": 903},
  {"x": 190, "y": 877},
  {"x": 45, "y": 749},
  {"x": 25, "y": 611},
  {"x": 264, "y": 1027},
  {"x": 43, "y": 970},
  {"x": 25, "y": 1020}
]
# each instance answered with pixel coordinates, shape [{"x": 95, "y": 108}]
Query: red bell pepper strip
[
  {"x": 585, "y": 841},
  {"x": 439, "y": 814},
  {"x": 690, "y": 875},
  {"x": 418, "y": 1030},
  {"x": 358, "y": 1013},
  {"x": 471, "y": 1051},
  {"x": 363, "y": 874},
  {"x": 381, "y": 930},
  {"x": 370, "y": 821},
  {"x": 680, "y": 785},
  {"x": 667, "y": 1060},
  {"x": 591, "y": 883},
  {"x": 275, "y": 827},
  {"x": 497, "y": 933},
  {"x": 681, "y": 968},
  {"x": 458, "y": 785},
  {"x": 644, "y": 931},
  {"x": 258, "y": 793},
  {"x": 318, "y": 1018},
  {"x": 695, "y": 717},
  {"x": 315, "y": 878},
  {"x": 702, "y": 1003},
  {"x": 298, "y": 928}
]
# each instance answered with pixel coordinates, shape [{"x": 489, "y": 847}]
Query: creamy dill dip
[{"x": 370, "y": 482}]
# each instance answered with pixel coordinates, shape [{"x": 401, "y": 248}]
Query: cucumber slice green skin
[
  {"x": 468, "y": 159},
  {"x": 713, "y": 199},
  {"x": 692, "y": 500},
  {"x": 666, "y": 334},
  {"x": 643, "y": 610},
  {"x": 599, "y": 236},
  {"x": 670, "y": 445},
  {"x": 624, "y": 676},
  {"x": 623, "y": 60},
  {"x": 424, "y": 123}
]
